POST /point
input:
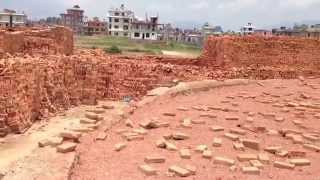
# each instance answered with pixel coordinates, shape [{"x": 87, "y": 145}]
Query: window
[
  {"x": 125, "y": 34},
  {"x": 152, "y": 34},
  {"x": 110, "y": 19},
  {"x": 122, "y": 14},
  {"x": 116, "y": 14},
  {"x": 126, "y": 20},
  {"x": 110, "y": 26},
  {"x": 18, "y": 18},
  {"x": 136, "y": 34},
  {"x": 116, "y": 20},
  {"x": 125, "y": 27},
  {"x": 147, "y": 35},
  {"x": 116, "y": 34},
  {"x": 116, "y": 27}
]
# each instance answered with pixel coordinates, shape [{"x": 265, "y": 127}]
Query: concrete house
[
  {"x": 145, "y": 30},
  {"x": 10, "y": 18},
  {"x": 95, "y": 27},
  {"x": 74, "y": 19},
  {"x": 120, "y": 21},
  {"x": 247, "y": 29}
]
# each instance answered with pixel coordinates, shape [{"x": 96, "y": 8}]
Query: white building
[
  {"x": 120, "y": 20},
  {"x": 8, "y": 17},
  {"x": 145, "y": 30},
  {"x": 247, "y": 29}
]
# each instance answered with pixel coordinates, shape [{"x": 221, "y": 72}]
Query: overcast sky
[{"x": 230, "y": 14}]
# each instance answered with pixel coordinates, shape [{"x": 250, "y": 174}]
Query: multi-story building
[
  {"x": 120, "y": 21},
  {"x": 145, "y": 29},
  {"x": 95, "y": 27},
  {"x": 10, "y": 18},
  {"x": 247, "y": 29},
  {"x": 74, "y": 18},
  {"x": 208, "y": 30}
]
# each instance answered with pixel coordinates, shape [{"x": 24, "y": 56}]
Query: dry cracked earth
[{"x": 264, "y": 130}]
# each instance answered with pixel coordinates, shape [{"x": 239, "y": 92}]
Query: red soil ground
[{"x": 98, "y": 160}]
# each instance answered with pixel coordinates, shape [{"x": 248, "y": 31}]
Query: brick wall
[
  {"x": 282, "y": 52},
  {"x": 57, "y": 40}
]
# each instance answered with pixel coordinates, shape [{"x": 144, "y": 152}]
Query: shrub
[{"x": 113, "y": 50}]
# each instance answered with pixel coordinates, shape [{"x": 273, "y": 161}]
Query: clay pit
[{"x": 264, "y": 90}]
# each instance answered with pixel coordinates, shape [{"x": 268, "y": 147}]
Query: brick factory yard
[
  {"x": 247, "y": 108},
  {"x": 280, "y": 117}
]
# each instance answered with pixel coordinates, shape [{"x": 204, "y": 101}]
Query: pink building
[{"x": 73, "y": 19}]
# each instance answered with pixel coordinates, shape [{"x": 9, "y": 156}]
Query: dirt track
[{"x": 275, "y": 106}]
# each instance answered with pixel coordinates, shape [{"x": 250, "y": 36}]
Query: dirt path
[
  {"x": 180, "y": 54},
  {"x": 21, "y": 158},
  {"x": 273, "y": 113}
]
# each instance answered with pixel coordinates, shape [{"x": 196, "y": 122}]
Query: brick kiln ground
[
  {"x": 280, "y": 115},
  {"x": 42, "y": 81},
  {"x": 35, "y": 87},
  {"x": 41, "y": 75}
]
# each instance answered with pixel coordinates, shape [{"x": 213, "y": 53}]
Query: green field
[{"x": 128, "y": 46}]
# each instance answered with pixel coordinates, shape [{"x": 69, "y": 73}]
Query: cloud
[{"x": 231, "y": 14}]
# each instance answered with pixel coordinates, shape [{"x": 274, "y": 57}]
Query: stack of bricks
[
  {"x": 35, "y": 87},
  {"x": 284, "y": 53},
  {"x": 58, "y": 40}
]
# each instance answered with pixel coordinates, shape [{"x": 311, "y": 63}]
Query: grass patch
[
  {"x": 113, "y": 50},
  {"x": 108, "y": 43}
]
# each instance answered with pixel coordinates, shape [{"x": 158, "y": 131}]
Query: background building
[
  {"x": 10, "y": 18},
  {"x": 74, "y": 19},
  {"x": 145, "y": 30},
  {"x": 120, "y": 21},
  {"x": 208, "y": 30},
  {"x": 300, "y": 31},
  {"x": 95, "y": 27},
  {"x": 247, "y": 29},
  {"x": 262, "y": 32}
]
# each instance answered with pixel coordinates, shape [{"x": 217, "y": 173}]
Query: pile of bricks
[
  {"x": 58, "y": 40},
  {"x": 43, "y": 81},
  {"x": 287, "y": 141},
  {"x": 36, "y": 87},
  {"x": 255, "y": 52}
]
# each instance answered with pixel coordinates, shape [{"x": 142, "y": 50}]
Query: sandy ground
[
  {"x": 98, "y": 159},
  {"x": 22, "y": 159},
  {"x": 179, "y": 54}
]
